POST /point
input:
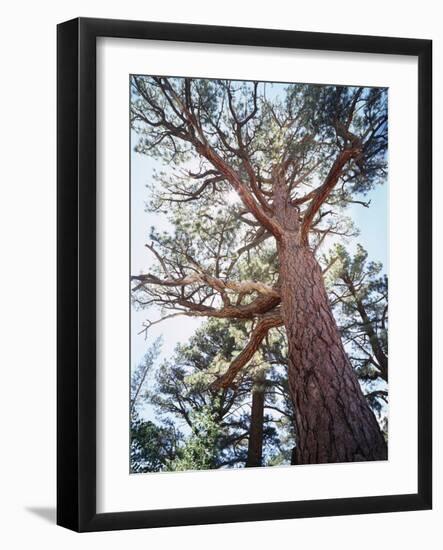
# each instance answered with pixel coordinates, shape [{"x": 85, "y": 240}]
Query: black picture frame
[{"x": 76, "y": 264}]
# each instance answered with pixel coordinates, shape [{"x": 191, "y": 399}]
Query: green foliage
[
  {"x": 358, "y": 287},
  {"x": 152, "y": 446},
  {"x": 200, "y": 449}
]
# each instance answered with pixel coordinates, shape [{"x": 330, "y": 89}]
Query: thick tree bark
[
  {"x": 255, "y": 445},
  {"x": 333, "y": 421}
]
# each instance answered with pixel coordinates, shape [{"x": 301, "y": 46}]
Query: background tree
[
  {"x": 139, "y": 375},
  {"x": 359, "y": 297},
  {"x": 152, "y": 446},
  {"x": 294, "y": 160}
]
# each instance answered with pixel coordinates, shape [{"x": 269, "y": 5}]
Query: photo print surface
[{"x": 258, "y": 274}]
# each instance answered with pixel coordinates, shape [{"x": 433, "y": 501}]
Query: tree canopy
[{"x": 255, "y": 182}]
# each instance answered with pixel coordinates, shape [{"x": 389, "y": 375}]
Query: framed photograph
[{"x": 244, "y": 274}]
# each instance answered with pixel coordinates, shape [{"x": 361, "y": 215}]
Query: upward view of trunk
[
  {"x": 255, "y": 445},
  {"x": 292, "y": 162},
  {"x": 333, "y": 421}
]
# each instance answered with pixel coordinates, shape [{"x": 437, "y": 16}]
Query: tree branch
[
  {"x": 246, "y": 196},
  {"x": 217, "y": 284},
  {"x": 322, "y": 193},
  {"x": 258, "y": 334}
]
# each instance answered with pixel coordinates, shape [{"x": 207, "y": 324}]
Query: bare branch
[{"x": 217, "y": 284}]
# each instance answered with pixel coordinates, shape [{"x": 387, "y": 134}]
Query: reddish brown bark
[{"x": 333, "y": 421}]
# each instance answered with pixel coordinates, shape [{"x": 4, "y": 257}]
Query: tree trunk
[
  {"x": 255, "y": 444},
  {"x": 333, "y": 421}
]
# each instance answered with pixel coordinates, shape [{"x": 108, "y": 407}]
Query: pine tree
[{"x": 293, "y": 161}]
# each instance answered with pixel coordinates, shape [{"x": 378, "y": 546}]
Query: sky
[{"x": 372, "y": 223}]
